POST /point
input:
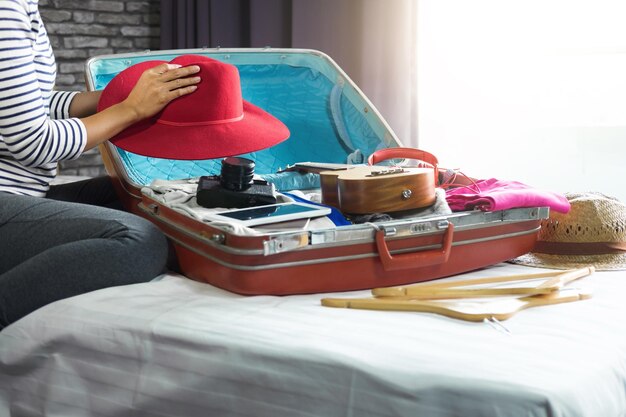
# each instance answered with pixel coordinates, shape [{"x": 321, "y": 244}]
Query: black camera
[{"x": 235, "y": 186}]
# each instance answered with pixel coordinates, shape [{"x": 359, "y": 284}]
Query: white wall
[{"x": 533, "y": 91}]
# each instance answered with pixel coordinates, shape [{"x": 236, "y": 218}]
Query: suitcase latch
[{"x": 285, "y": 243}]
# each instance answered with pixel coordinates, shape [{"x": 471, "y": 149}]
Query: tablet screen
[{"x": 268, "y": 211}]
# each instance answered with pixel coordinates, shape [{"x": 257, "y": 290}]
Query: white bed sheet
[{"x": 175, "y": 347}]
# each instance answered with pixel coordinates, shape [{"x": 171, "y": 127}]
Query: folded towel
[{"x": 492, "y": 194}]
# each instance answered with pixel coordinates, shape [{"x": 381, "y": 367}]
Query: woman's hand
[
  {"x": 154, "y": 90},
  {"x": 158, "y": 86}
]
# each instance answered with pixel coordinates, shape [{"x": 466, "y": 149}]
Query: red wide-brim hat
[{"x": 212, "y": 122}]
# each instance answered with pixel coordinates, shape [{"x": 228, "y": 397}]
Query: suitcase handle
[
  {"x": 427, "y": 159},
  {"x": 416, "y": 259},
  {"x": 402, "y": 153}
]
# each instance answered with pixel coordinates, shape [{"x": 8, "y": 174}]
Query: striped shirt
[{"x": 35, "y": 129}]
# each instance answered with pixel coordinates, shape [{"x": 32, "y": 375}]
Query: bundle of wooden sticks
[{"x": 473, "y": 299}]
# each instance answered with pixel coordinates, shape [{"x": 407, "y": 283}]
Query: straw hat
[
  {"x": 592, "y": 233},
  {"x": 212, "y": 122}
]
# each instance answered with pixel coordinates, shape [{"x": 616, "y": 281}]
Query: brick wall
[{"x": 81, "y": 29}]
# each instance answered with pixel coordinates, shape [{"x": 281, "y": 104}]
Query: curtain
[
  {"x": 373, "y": 41},
  {"x": 227, "y": 24}
]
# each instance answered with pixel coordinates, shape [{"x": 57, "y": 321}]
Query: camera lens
[{"x": 237, "y": 173}]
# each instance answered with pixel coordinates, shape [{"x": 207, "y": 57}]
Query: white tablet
[{"x": 273, "y": 213}]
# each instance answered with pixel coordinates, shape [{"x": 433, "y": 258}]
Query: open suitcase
[{"x": 330, "y": 121}]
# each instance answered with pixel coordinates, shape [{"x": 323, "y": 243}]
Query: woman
[{"x": 52, "y": 249}]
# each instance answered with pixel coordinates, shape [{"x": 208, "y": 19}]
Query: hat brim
[
  {"x": 608, "y": 262},
  {"x": 255, "y": 131}
]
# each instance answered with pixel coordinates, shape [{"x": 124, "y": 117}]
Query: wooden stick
[
  {"x": 567, "y": 277},
  {"x": 449, "y": 293},
  {"x": 476, "y": 311},
  {"x": 417, "y": 288},
  {"x": 426, "y": 292}
]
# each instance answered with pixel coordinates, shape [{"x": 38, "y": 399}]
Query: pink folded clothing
[{"x": 493, "y": 194}]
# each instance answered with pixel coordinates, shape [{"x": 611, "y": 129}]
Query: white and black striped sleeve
[
  {"x": 27, "y": 72},
  {"x": 60, "y": 104}
]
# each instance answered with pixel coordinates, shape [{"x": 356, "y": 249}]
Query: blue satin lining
[{"x": 297, "y": 92}]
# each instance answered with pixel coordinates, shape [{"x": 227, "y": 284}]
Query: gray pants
[{"x": 52, "y": 249}]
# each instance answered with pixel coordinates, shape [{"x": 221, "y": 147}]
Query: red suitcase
[{"x": 330, "y": 121}]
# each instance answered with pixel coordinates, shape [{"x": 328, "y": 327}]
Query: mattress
[{"x": 176, "y": 347}]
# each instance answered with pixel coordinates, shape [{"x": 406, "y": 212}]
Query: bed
[{"x": 176, "y": 347}]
